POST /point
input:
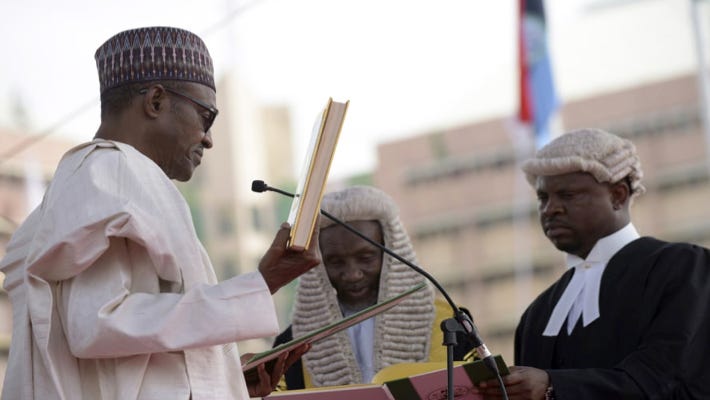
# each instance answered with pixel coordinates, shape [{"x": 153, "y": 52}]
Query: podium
[{"x": 409, "y": 381}]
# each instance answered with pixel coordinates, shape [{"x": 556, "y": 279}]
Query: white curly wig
[
  {"x": 402, "y": 334},
  {"x": 607, "y": 157}
]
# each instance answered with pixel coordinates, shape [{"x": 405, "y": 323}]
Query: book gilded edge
[{"x": 298, "y": 219}]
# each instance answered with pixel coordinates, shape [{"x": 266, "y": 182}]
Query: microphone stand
[{"x": 449, "y": 328}]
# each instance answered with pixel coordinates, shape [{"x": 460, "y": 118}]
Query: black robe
[{"x": 651, "y": 340}]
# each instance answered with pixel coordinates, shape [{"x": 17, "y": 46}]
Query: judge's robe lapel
[
  {"x": 547, "y": 345},
  {"x": 618, "y": 303}
]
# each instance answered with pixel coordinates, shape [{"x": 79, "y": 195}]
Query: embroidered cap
[
  {"x": 605, "y": 156},
  {"x": 153, "y": 53}
]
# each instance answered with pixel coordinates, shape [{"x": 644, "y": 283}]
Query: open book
[
  {"x": 273, "y": 354},
  {"x": 415, "y": 385},
  {"x": 433, "y": 384},
  {"x": 306, "y": 204}
]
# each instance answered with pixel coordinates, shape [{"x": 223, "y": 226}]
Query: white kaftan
[{"x": 113, "y": 295}]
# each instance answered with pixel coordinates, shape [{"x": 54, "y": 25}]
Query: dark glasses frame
[{"x": 212, "y": 110}]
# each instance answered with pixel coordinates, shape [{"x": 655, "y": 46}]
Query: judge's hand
[
  {"x": 280, "y": 265},
  {"x": 265, "y": 381},
  {"x": 523, "y": 383}
]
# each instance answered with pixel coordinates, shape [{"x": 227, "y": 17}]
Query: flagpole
[
  {"x": 521, "y": 132},
  {"x": 524, "y": 147},
  {"x": 537, "y": 110},
  {"x": 703, "y": 79}
]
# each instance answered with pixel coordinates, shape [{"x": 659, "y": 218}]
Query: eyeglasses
[{"x": 212, "y": 110}]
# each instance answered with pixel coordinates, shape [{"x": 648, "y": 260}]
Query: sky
[{"x": 407, "y": 66}]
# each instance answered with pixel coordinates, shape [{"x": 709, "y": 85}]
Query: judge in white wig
[
  {"x": 629, "y": 318},
  {"x": 407, "y": 333}
]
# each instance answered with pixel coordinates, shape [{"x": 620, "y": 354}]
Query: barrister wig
[
  {"x": 153, "y": 54},
  {"x": 605, "y": 156},
  {"x": 403, "y": 334}
]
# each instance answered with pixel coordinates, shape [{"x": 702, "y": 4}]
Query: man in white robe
[{"x": 113, "y": 295}]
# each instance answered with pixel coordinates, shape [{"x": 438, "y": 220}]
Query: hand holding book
[
  {"x": 280, "y": 265},
  {"x": 263, "y": 379}
]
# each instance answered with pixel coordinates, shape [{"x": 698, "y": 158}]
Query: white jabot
[{"x": 581, "y": 297}]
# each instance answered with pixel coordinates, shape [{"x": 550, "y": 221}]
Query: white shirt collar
[
  {"x": 581, "y": 296},
  {"x": 606, "y": 247}
]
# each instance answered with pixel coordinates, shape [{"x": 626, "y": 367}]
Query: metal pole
[{"x": 703, "y": 79}]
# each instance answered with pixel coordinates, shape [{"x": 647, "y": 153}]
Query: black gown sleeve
[{"x": 671, "y": 357}]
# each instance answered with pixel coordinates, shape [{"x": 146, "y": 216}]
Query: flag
[{"x": 538, "y": 101}]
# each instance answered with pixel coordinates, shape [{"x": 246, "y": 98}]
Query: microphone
[
  {"x": 463, "y": 318},
  {"x": 261, "y": 186}
]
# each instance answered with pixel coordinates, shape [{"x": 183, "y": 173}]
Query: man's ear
[
  {"x": 154, "y": 101},
  {"x": 620, "y": 194}
]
